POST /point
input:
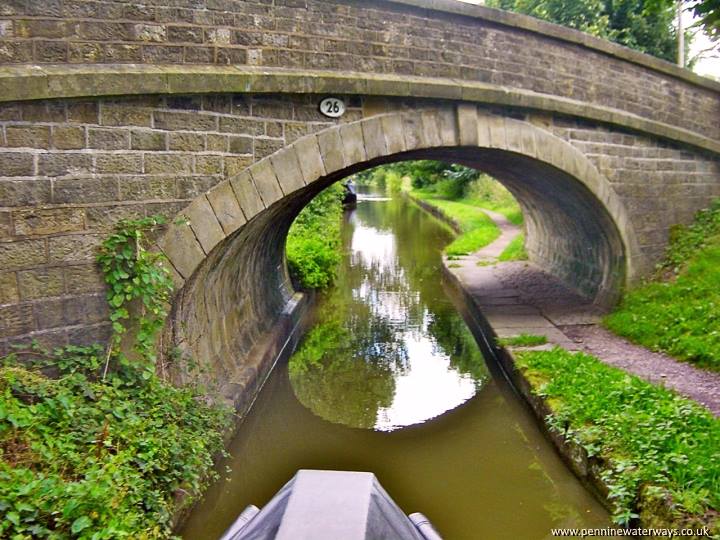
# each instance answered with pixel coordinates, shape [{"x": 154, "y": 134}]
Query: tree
[
  {"x": 643, "y": 25},
  {"x": 708, "y": 11}
]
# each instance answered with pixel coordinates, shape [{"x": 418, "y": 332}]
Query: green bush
[
  {"x": 313, "y": 246},
  {"x": 84, "y": 457},
  {"x": 104, "y": 448},
  {"x": 657, "y": 445},
  {"x": 678, "y": 311}
]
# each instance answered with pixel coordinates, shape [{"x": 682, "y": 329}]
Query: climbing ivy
[{"x": 136, "y": 276}]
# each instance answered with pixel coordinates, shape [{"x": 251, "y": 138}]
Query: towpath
[{"x": 518, "y": 297}]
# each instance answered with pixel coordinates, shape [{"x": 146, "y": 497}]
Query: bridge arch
[{"x": 227, "y": 256}]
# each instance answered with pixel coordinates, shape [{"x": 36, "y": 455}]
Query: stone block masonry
[
  {"x": 69, "y": 170},
  {"x": 409, "y": 37}
]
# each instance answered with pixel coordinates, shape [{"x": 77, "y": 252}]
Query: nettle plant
[{"x": 137, "y": 281}]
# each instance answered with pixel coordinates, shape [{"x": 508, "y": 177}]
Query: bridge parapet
[{"x": 421, "y": 38}]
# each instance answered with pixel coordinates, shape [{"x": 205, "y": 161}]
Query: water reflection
[{"x": 388, "y": 350}]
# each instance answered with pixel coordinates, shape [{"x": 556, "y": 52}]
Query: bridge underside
[{"x": 239, "y": 291}]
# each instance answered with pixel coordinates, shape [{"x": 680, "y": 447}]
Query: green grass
[
  {"x": 678, "y": 311},
  {"x": 515, "y": 251},
  {"x": 657, "y": 444},
  {"x": 488, "y": 193},
  {"x": 478, "y": 230},
  {"x": 522, "y": 340},
  {"x": 509, "y": 209}
]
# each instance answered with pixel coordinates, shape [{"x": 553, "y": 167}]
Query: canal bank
[{"x": 511, "y": 299}]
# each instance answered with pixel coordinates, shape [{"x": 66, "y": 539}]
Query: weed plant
[
  {"x": 656, "y": 444},
  {"x": 93, "y": 443}
]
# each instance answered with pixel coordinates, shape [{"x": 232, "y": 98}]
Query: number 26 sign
[{"x": 332, "y": 107}]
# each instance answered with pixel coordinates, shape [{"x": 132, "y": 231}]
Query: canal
[{"x": 390, "y": 380}]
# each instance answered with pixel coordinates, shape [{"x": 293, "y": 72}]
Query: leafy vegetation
[
  {"x": 522, "y": 340},
  {"x": 94, "y": 444},
  {"x": 136, "y": 281},
  {"x": 708, "y": 13},
  {"x": 313, "y": 243},
  {"x": 515, "y": 250},
  {"x": 657, "y": 447},
  {"x": 678, "y": 310}
]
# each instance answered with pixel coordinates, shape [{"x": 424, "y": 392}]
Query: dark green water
[{"x": 390, "y": 380}]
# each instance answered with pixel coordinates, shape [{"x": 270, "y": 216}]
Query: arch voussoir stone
[
  {"x": 431, "y": 128},
  {"x": 375, "y": 145},
  {"x": 467, "y": 118},
  {"x": 310, "y": 158},
  {"x": 287, "y": 169},
  {"x": 266, "y": 181},
  {"x": 353, "y": 143},
  {"x": 247, "y": 194},
  {"x": 448, "y": 126},
  {"x": 227, "y": 209},
  {"x": 331, "y": 150},
  {"x": 182, "y": 249},
  {"x": 204, "y": 223}
]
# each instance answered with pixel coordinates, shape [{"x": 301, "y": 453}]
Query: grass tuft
[
  {"x": 522, "y": 340},
  {"x": 515, "y": 251}
]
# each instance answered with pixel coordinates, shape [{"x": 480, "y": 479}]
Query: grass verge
[
  {"x": 515, "y": 250},
  {"x": 522, "y": 340},
  {"x": 478, "y": 230},
  {"x": 509, "y": 209},
  {"x": 678, "y": 310},
  {"x": 659, "y": 452}
]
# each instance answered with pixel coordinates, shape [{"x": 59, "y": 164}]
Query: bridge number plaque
[{"x": 332, "y": 107}]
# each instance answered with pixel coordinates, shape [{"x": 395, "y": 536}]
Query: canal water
[{"x": 390, "y": 380}]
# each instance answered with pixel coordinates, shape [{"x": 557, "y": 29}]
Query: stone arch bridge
[{"x": 208, "y": 108}]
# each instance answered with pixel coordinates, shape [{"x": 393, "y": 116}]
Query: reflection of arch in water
[{"x": 229, "y": 257}]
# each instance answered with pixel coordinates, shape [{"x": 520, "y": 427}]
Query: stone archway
[{"x": 228, "y": 256}]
